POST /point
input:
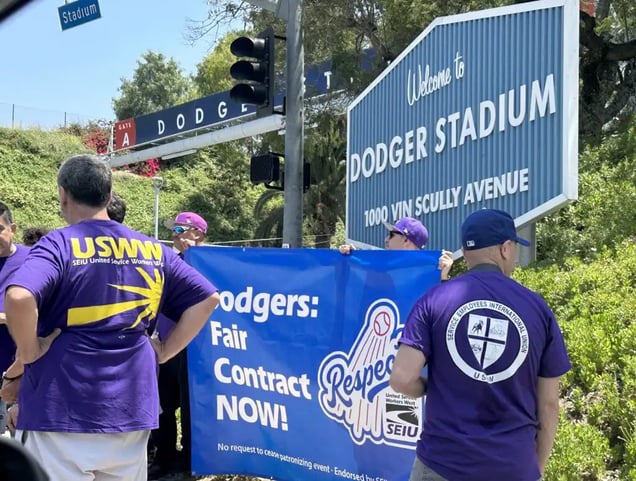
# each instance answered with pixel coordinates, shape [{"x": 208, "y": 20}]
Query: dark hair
[
  {"x": 5, "y": 213},
  {"x": 86, "y": 179},
  {"x": 116, "y": 208},
  {"x": 31, "y": 235}
]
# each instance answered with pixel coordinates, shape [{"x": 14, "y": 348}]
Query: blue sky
[{"x": 47, "y": 71}]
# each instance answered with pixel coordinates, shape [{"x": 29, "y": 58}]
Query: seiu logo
[
  {"x": 351, "y": 384},
  {"x": 117, "y": 248}
]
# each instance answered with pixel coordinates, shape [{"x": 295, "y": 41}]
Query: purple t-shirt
[
  {"x": 102, "y": 284},
  {"x": 8, "y": 265},
  {"x": 486, "y": 339}
]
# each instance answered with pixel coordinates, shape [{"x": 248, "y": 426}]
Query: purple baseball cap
[
  {"x": 190, "y": 219},
  {"x": 412, "y": 229},
  {"x": 489, "y": 227}
]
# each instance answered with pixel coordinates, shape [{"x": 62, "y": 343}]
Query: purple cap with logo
[
  {"x": 412, "y": 229},
  {"x": 190, "y": 219}
]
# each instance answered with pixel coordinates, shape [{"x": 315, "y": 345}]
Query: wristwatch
[{"x": 11, "y": 378}]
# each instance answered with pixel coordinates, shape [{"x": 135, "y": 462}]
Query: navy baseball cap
[
  {"x": 489, "y": 227},
  {"x": 410, "y": 228}
]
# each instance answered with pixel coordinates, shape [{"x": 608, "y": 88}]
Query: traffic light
[
  {"x": 266, "y": 168},
  {"x": 257, "y": 73}
]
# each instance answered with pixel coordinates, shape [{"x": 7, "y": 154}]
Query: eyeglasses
[
  {"x": 394, "y": 233},
  {"x": 179, "y": 229}
]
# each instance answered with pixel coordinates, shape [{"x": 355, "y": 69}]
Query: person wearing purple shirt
[
  {"x": 408, "y": 233},
  {"x": 11, "y": 257},
  {"x": 188, "y": 230},
  {"x": 88, "y": 398},
  {"x": 495, "y": 355}
]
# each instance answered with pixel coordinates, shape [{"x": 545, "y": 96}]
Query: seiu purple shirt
[
  {"x": 102, "y": 284},
  {"x": 486, "y": 339},
  {"x": 8, "y": 265}
]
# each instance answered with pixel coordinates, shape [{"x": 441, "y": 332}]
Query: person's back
[
  {"x": 78, "y": 310},
  {"x": 498, "y": 337},
  {"x": 110, "y": 286},
  {"x": 495, "y": 354}
]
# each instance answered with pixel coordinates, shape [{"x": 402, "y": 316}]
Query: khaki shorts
[{"x": 89, "y": 457}]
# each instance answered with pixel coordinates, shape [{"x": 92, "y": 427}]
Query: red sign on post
[{"x": 125, "y": 134}]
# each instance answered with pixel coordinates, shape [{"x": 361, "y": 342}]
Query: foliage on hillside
[
  {"x": 213, "y": 182},
  {"x": 605, "y": 213},
  {"x": 594, "y": 303},
  {"x": 28, "y": 166}
]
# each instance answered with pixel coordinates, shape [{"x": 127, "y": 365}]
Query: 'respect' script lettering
[
  {"x": 366, "y": 381},
  {"x": 115, "y": 247}
]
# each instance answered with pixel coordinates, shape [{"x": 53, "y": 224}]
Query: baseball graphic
[{"x": 382, "y": 323}]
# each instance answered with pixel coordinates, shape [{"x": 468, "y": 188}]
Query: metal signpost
[
  {"x": 480, "y": 111},
  {"x": 294, "y": 129}
]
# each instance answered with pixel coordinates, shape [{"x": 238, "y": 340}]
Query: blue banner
[{"x": 289, "y": 378}]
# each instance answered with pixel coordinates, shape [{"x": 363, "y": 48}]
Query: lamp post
[{"x": 157, "y": 182}]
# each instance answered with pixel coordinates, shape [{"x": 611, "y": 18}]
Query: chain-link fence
[{"x": 22, "y": 117}]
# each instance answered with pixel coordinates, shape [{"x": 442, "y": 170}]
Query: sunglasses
[
  {"x": 179, "y": 229},
  {"x": 394, "y": 233}
]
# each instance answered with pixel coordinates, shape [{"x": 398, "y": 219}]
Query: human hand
[
  {"x": 346, "y": 249},
  {"x": 12, "y": 417},
  {"x": 183, "y": 244},
  {"x": 43, "y": 346},
  {"x": 158, "y": 346},
  {"x": 445, "y": 263},
  {"x": 9, "y": 391}
]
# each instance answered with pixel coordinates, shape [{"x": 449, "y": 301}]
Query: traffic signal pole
[{"x": 294, "y": 128}]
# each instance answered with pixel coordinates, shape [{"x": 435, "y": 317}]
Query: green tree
[
  {"x": 214, "y": 182},
  {"x": 341, "y": 29},
  {"x": 607, "y": 68},
  {"x": 326, "y": 151},
  {"x": 324, "y": 202},
  {"x": 157, "y": 84},
  {"x": 213, "y": 73}
]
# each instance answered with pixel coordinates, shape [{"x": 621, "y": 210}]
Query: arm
[
  {"x": 548, "y": 415},
  {"x": 22, "y": 316},
  {"x": 406, "y": 373},
  {"x": 11, "y": 381},
  {"x": 190, "y": 323}
]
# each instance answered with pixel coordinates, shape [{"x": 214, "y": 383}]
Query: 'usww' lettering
[{"x": 117, "y": 248}]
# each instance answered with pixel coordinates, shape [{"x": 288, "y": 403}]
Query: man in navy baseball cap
[
  {"x": 489, "y": 227},
  {"x": 495, "y": 356}
]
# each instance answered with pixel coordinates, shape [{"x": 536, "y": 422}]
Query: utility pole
[
  {"x": 157, "y": 182},
  {"x": 294, "y": 128}
]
